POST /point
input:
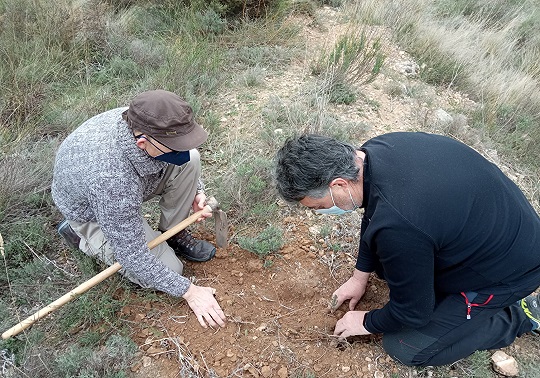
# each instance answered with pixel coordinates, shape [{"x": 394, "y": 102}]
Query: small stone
[
  {"x": 443, "y": 117},
  {"x": 314, "y": 230},
  {"x": 266, "y": 371},
  {"x": 283, "y": 372},
  {"x": 254, "y": 266},
  {"x": 504, "y": 364},
  {"x": 146, "y": 361},
  {"x": 136, "y": 367}
]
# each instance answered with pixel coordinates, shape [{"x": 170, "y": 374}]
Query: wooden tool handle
[{"x": 85, "y": 286}]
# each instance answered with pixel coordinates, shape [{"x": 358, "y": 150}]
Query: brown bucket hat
[{"x": 167, "y": 118}]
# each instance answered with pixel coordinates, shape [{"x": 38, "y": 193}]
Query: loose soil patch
[{"x": 278, "y": 318}]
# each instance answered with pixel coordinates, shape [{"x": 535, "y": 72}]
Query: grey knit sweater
[{"x": 101, "y": 176}]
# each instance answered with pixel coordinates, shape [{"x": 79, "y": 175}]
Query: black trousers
[{"x": 450, "y": 335}]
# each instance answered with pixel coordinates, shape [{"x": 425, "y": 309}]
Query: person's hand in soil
[
  {"x": 353, "y": 289},
  {"x": 204, "y": 305},
  {"x": 351, "y": 325}
]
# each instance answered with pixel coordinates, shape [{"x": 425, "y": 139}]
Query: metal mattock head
[{"x": 213, "y": 203}]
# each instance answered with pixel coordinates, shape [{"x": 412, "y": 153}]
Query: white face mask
[{"x": 335, "y": 210}]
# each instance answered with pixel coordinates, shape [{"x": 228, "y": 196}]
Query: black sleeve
[
  {"x": 366, "y": 260},
  {"x": 406, "y": 255}
]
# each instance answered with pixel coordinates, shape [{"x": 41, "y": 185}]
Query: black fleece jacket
[{"x": 440, "y": 219}]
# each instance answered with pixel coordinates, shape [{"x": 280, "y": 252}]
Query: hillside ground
[{"x": 277, "y": 308}]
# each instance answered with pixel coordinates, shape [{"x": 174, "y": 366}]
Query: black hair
[{"x": 306, "y": 165}]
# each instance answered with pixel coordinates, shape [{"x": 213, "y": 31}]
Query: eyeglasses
[{"x": 149, "y": 141}]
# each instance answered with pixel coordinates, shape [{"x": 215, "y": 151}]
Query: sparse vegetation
[
  {"x": 270, "y": 240},
  {"x": 356, "y": 58}
]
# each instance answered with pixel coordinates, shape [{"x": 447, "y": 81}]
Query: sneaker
[
  {"x": 67, "y": 233},
  {"x": 190, "y": 248},
  {"x": 531, "y": 307}
]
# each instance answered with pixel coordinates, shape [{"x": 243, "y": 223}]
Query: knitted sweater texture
[{"x": 100, "y": 175}]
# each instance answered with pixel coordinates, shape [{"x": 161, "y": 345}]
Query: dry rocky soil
[{"x": 278, "y": 319}]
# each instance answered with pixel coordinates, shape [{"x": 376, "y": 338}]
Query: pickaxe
[{"x": 212, "y": 206}]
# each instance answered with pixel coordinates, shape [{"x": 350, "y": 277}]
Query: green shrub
[
  {"x": 192, "y": 70},
  {"x": 253, "y": 76},
  {"x": 356, "y": 58},
  {"x": 95, "y": 307},
  {"x": 260, "y": 56},
  {"x": 270, "y": 240},
  {"x": 250, "y": 8},
  {"x": 110, "y": 361},
  {"x": 342, "y": 94},
  {"x": 23, "y": 238}
]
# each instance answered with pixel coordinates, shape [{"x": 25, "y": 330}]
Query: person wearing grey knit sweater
[{"x": 110, "y": 165}]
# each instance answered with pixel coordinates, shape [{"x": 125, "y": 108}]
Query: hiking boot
[
  {"x": 531, "y": 306},
  {"x": 190, "y": 248},
  {"x": 67, "y": 233}
]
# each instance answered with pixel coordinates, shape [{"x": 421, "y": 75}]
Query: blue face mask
[
  {"x": 334, "y": 210},
  {"x": 174, "y": 157}
]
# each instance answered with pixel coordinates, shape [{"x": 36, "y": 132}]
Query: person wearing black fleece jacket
[{"x": 455, "y": 239}]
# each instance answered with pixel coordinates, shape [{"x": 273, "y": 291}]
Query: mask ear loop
[
  {"x": 350, "y": 195},
  {"x": 331, "y": 195}
]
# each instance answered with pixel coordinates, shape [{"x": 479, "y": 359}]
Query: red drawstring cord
[{"x": 470, "y": 305}]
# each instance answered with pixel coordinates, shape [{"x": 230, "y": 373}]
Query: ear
[
  {"x": 141, "y": 142},
  {"x": 339, "y": 182}
]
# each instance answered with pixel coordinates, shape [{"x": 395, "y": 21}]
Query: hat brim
[{"x": 186, "y": 142}]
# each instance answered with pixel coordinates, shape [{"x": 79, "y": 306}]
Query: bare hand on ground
[
  {"x": 353, "y": 289},
  {"x": 204, "y": 305},
  {"x": 351, "y": 325},
  {"x": 199, "y": 202}
]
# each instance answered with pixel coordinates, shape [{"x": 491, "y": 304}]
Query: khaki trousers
[{"x": 177, "y": 191}]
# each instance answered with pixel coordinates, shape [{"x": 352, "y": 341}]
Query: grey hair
[{"x": 306, "y": 165}]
